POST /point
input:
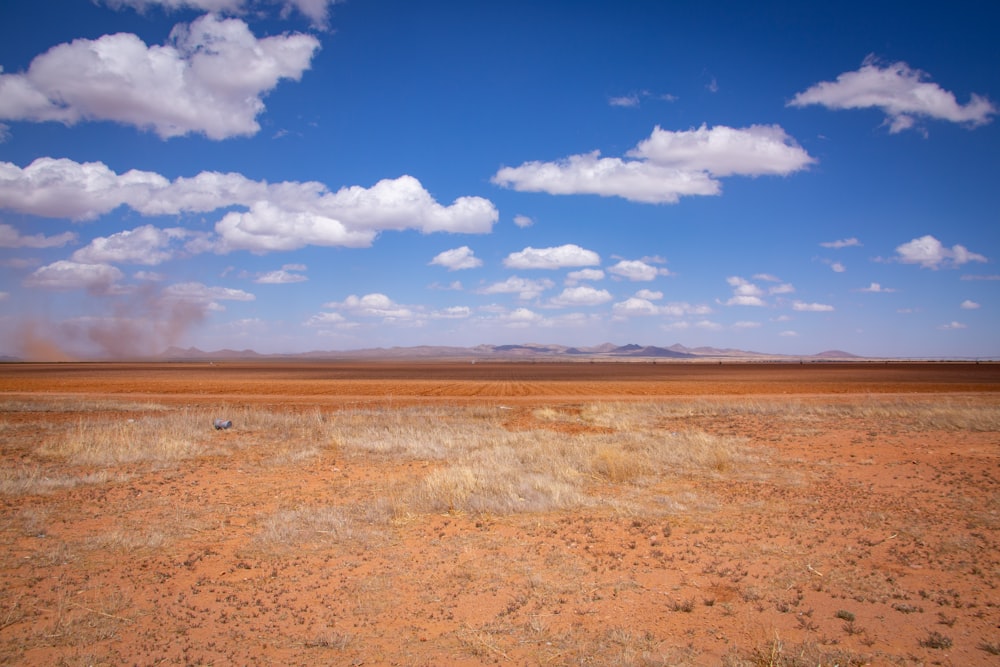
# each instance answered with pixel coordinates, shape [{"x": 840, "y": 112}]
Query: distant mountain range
[{"x": 532, "y": 351}]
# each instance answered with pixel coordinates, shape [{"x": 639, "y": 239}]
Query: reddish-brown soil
[{"x": 862, "y": 542}]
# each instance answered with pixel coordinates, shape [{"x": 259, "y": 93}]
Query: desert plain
[{"x": 455, "y": 513}]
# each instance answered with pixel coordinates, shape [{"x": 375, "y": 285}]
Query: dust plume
[{"x": 140, "y": 324}]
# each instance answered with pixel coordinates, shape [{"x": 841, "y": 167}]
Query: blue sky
[{"x": 293, "y": 175}]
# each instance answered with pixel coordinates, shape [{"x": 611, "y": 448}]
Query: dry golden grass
[{"x": 656, "y": 464}]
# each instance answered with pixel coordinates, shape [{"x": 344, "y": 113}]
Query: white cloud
[
  {"x": 230, "y": 6},
  {"x": 789, "y": 334},
  {"x": 783, "y": 288},
  {"x": 635, "y": 306},
  {"x": 277, "y": 216},
  {"x": 524, "y": 288},
  {"x": 876, "y": 288},
  {"x": 745, "y": 293},
  {"x": 574, "y": 277},
  {"x": 146, "y": 245},
  {"x": 634, "y": 99},
  {"x": 582, "y": 296},
  {"x": 552, "y": 258},
  {"x": 642, "y": 305},
  {"x": 523, "y": 221},
  {"x": 457, "y": 259},
  {"x": 968, "y": 304},
  {"x": 283, "y": 276},
  {"x": 746, "y": 324},
  {"x": 373, "y": 305},
  {"x": 316, "y": 10},
  {"x": 745, "y": 300},
  {"x": 521, "y": 317},
  {"x": 636, "y": 270},
  {"x": 811, "y": 307},
  {"x": 842, "y": 243},
  {"x": 683, "y": 309},
  {"x": 952, "y": 326},
  {"x": 326, "y": 319},
  {"x": 724, "y": 151},
  {"x": 452, "y": 313},
  {"x": 903, "y": 94},
  {"x": 838, "y": 267},
  {"x": 202, "y": 296},
  {"x": 631, "y": 100},
  {"x": 67, "y": 275},
  {"x": 666, "y": 166},
  {"x": 352, "y": 217},
  {"x": 209, "y": 78},
  {"x": 11, "y": 238},
  {"x": 266, "y": 228},
  {"x": 929, "y": 253}
]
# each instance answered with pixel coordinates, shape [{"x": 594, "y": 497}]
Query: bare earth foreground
[{"x": 500, "y": 513}]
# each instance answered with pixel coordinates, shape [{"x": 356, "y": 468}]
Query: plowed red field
[{"x": 335, "y": 382}]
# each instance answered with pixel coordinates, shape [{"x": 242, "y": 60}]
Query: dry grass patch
[
  {"x": 176, "y": 435},
  {"x": 32, "y": 479},
  {"x": 324, "y": 526},
  {"x": 488, "y": 468}
]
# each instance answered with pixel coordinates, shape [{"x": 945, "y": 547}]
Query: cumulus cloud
[
  {"x": 457, "y": 259},
  {"x": 552, "y": 258},
  {"x": 276, "y": 216},
  {"x": 968, "y": 304},
  {"x": 574, "y": 277},
  {"x": 666, "y": 166},
  {"x": 10, "y": 237},
  {"x": 146, "y": 245},
  {"x": 635, "y": 306},
  {"x": 724, "y": 151},
  {"x": 582, "y": 296},
  {"x": 930, "y": 253},
  {"x": 521, "y": 318},
  {"x": 811, "y": 307},
  {"x": 524, "y": 288},
  {"x": 952, "y": 326},
  {"x": 67, "y": 275},
  {"x": 745, "y": 293},
  {"x": 641, "y": 305},
  {"x": 375, "y": 305},
  {"x": 636, "y": 270},
  {"x": 523, "y": 221},
  {"x": 203, "y": 296},
  {"x": 209, "y": 78},
  {"x": 317, "y": 11},
  {"x": 327, "y": 319},
  {"x": 902, "y": 93}
]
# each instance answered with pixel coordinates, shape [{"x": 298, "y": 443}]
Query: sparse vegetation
[{"x": 493, "y": 533}]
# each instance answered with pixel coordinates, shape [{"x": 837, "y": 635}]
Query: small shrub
[{"x": 936, "y": 640}]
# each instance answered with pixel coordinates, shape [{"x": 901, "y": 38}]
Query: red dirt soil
[{"x": 862, "y": 541}]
